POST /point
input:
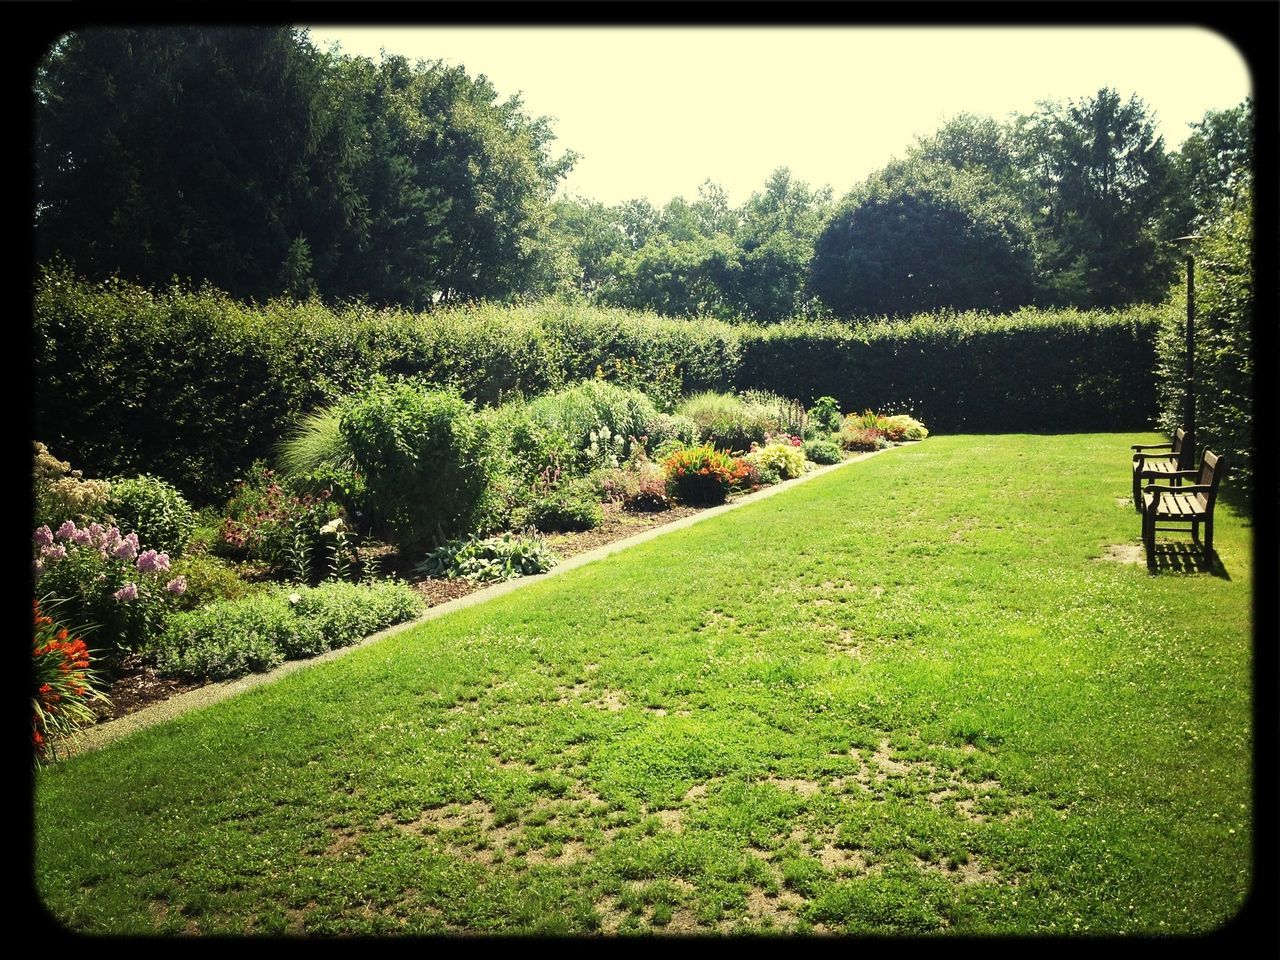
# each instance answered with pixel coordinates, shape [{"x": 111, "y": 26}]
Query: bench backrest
[
  {"x": 1212, "y": 469},
  {"x": 1178, "y": 436}
]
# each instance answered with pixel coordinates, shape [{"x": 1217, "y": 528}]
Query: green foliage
[
  {"x": 854, "y": 436},
  {"x": 231, "y": 637},
  {"x": 569, "y": 505},
  {"x": 903, "y": 427},
  {"x": 393, "y": 182},
  {"x": 825, "y": 414},
  {"x": 1224, "y": 358},
  {"x": 59, "y": 493},
  {"x": 267, "y": 520},
  {"x": 784, "y": 459},
  {"x": 154, "y": 510},
  {"x": 422, "y": 456},
  {"x": 208, "y": 579},
  {"x": 702, "y": 475},
  {"x": 489, "y": 560},
  {"x": 918, "y": 237},
  {"x": 734, "y": 422},
  {"x": 315, "y": 444},
  {"x": 63, "y": 685},
  {"x": 584, "y": 412},
  {"x": 823, "y": 451}
]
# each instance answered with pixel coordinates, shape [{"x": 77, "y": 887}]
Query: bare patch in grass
[
  {"x": 611, "y": 700},
  {"x": 841, "y": 860},
  {"x": 969, "y": 872},
  {"x": 773, "y": 911},
  {"x": 1124, "y": 553},
  {"x": 806, "y": 788}
]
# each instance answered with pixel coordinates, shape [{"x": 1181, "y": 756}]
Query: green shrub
[
  {"x": 725, "y": 421},
  {"x": 154, "y": 510},
  {"x": 903, "y": 427},
  {"x": 490, "y": 560},
  {"x": 208, "y": 579},
  {"x": 823, "y": 451},
  {"x": 571, "y": 505},
  {"x": 268, "y": 522},
  {"x": 639, "y": 486},
  {"x": 60, "y": 493},
  {"x": 859, "y": 438},
  {"x": 595, "y": 407},
  {"x": 422, "y": 454},
  {"x": 784, "y": 459},
  {"x": 1224, "y": 359},
  {"x": 666, "y": 427},
  {"x": 825, "y": 414},
  {"x": 702, "y": 475},
  {"x": 232, "y": 637}
]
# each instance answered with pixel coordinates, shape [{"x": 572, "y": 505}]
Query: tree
[
  {"x": 1097, "y": 176},
  {"x": 919, "y": 237},
  {"x": 1208, "y": 171}
]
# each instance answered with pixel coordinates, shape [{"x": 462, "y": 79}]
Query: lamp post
[{"x": 1188, "y": 244}]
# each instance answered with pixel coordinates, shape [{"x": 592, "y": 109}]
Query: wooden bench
[
  {"x": 1156, "y": 466},
  {"x": 1190, "y": 504}
]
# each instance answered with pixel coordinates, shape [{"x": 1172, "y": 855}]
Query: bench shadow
[{"x": 1186, "y": 558}]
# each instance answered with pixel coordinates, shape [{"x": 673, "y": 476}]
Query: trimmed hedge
[{"x": 193, "y": 386}]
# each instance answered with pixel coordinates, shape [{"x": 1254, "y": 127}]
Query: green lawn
[{"x": 905, "y": 697}]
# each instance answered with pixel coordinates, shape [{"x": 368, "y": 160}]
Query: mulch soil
[{"x": 137, "y": 685}]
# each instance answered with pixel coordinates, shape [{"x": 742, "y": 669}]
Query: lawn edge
[{"x": 96, "y": 737}]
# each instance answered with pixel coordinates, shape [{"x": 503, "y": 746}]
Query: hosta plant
[{"x": 490, "y": 560}]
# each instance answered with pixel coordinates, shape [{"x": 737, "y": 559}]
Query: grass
[{"x": 904, "y": 698}]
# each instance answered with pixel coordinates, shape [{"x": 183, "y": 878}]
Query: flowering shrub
[
  {"x": 152, "y": 509},
  {"x": 825, "y": 414},
  {"x": 63, "y": 685},
  {"x": 783, "y": 457},
  {"x": 640, "y": 486},
  {"x": 268, "y": 522},
  {"x": 702, "y": 474},
  {"x": 61, "y": 494},
  {"x": 107, "y": 580}
]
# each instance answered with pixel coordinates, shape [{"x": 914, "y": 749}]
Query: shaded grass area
[{"x": 907, "y": 697}]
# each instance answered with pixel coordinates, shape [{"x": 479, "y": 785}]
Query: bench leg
[
  {"x": 1149, "y": 538},
  {"x": 1137, "y": 490},
  {"x": 1195, "y": 532},
  {"x": 1208, "y": 535}
]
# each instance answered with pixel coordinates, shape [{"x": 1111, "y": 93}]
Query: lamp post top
[{"x": 1189, "y": 242}]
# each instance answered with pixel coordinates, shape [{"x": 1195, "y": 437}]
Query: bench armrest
[
  {"x": 1151, "y": 446},
  {"x": 1139, "y": 457}
]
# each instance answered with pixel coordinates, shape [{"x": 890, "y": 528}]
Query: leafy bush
[
  {"x": 666, "y": 427},
  {"x": 152, "y": 509},
  {"x": 702, "y": 475},
  {"x": 784, "y": 459},
  {"x": 823, "y": 451},
  {"x": 208, "y": 578},
  {"x": 569, "y": 505},
  {"x": 903, "y": 427},
  {"x": 1224, "y": 360},
  {"x": 422, "y": 454},
  {"x": 489, "y": 560},
  {"x": 61, "y": 494},
  {"x": 725, "y": 421},
  {"x": 858, "y": 438},
  {"x": 825, "y": 414},
  {"x": 639, "y": 486},
  {"x": 107, "y": 581},
  {"x": 232, "y": 637},
  {"x": 63, "y": 685},
  {"x": 267, "y": 522},
  {"x": 600, "y": 408}
]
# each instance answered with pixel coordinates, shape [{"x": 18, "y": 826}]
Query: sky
[{"x": 655, "y": 111}]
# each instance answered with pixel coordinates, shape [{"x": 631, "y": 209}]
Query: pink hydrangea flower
[
  {"x": 66, "y": 531},
  {"x": 43, "y": 537},
  {"x": 126, "y": 593},
  {"x": 177, "y": 586}
]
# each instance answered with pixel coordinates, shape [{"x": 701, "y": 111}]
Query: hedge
[{"x": 192, "y": 385}]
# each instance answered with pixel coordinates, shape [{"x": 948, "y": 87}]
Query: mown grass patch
[{"x": 907, "y": 697}]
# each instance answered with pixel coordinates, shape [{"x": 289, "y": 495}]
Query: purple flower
[
  {"x": 81, "y": 538},
  {"x": 38, "y": 567},
  {"x": 43, "y": 537},
  {"x": 150, "y": 561},
  {"x": 126, "y": 548},
  {"x": 126, "y": 593},
  {"x": 55, "y": 552},
  {"x": 66, "y": 531},
  {"x": 177, "y": 586}
]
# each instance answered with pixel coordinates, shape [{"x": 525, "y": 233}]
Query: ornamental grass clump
[
  {"x": 63, "y": 688},
  {"x": 703, "y": 475},
  {"x": 109, "y": 580}
]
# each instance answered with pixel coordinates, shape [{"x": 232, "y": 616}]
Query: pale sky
[{"x": 655, "y": 111}]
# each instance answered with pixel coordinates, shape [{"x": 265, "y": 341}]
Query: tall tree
[
  {"x": 1209, "y": 171},
  {"x": 1098, "y": 176}
]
